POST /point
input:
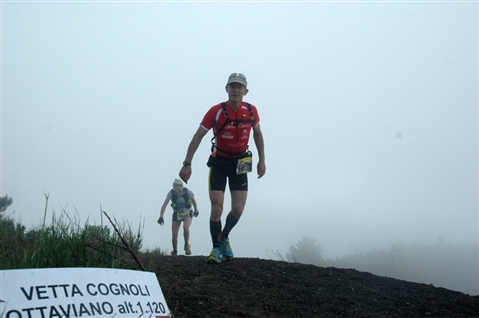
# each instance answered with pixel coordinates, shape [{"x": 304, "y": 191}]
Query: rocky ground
[{"x": 252, "y": 287}]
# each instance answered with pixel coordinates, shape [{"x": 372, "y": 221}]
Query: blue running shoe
[
  {"x": 226, "y": 248},
  {"x": 215, "y": 256}
]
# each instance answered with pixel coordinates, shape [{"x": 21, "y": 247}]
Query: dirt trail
[{"x": 252, "y": 287}]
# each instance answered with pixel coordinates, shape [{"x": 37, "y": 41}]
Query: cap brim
[{"x": 237, "y": 81}]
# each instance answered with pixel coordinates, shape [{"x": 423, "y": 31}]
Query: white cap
[{"x": 177, "y": 183}]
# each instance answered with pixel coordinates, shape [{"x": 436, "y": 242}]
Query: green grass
[{"x": 63, "y": 242}]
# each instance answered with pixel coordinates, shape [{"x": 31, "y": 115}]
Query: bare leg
[
  {"x": 217, "y": 199},
  {"x": 175, "y": 227},
  {"x": 238, "y": 202},
  {"x": 186, "y": 230}
]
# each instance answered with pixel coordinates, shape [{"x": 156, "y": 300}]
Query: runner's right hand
[{"x": 185, "y": 173}]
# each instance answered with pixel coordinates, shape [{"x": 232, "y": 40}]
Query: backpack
[
  {"x": 174, "y": 199},
  {"x": 236, "y": 121}
]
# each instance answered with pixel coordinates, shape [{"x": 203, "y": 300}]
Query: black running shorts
[
  {"x": 178, "y": 217},
  {"x": 225, "y": 168}
]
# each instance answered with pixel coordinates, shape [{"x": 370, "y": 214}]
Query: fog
[{"x": 369, "y": 112}]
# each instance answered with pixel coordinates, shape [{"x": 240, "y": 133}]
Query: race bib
[{"x": 244, "y": 165}]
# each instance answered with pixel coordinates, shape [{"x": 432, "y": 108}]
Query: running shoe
[
  {"x": 215, "y": 256},
  {"x": 226, "y": 248},
  {"x": 174, "y": 253},
  {"x": 188, "y": 250}
]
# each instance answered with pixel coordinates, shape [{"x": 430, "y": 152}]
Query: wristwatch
[{"x": 186, "y": 163}]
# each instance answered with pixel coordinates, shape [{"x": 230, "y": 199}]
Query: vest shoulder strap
[
  {"x": 185, "y": 195},
  {"x": 252, "y": 119},
  {"x": 228, "y": 120}
]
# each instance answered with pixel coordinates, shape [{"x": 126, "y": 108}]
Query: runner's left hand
[{"x": 261, "y": 168}]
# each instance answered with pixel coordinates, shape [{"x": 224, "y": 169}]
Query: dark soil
[{"x": 253, "y": 287}]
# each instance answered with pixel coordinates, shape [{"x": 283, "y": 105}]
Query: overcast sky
[{"x": 369, "y": 112}]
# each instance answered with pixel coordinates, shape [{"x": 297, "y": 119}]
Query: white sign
[{"x": 80, "y": 292}]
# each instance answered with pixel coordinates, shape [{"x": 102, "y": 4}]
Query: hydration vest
[
  {"x": 174, "y": 199},
  {"x": 236, "y": 122}
]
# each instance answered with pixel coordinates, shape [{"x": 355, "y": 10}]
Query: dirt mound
[{"x": 253, "y": 287}]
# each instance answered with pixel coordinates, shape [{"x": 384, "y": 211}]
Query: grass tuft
[{"x": 64, "y": 242}]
